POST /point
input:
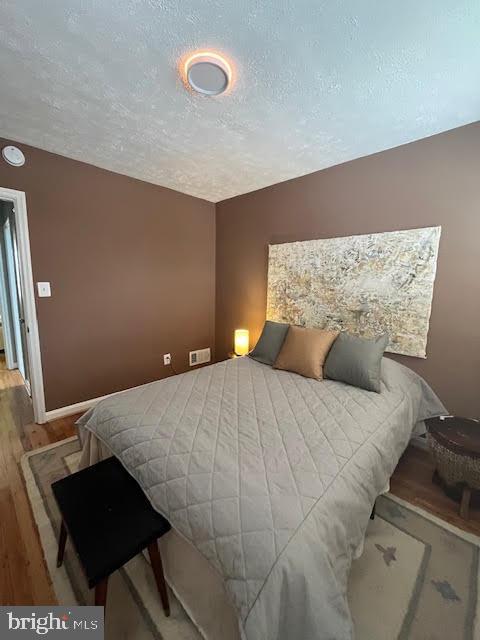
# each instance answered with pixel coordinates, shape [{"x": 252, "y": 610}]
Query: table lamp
[{"x": 241, "y": 342}]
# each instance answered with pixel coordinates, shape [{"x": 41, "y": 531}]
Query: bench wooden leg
[
  {"x": 157, "y": 567},
  {"x": 101, "y": 593},
  {"x": 465, "y": 504},
  {"x": 62, "y": 541}
]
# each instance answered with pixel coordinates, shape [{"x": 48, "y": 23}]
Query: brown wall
[
  {"x": 132, "y": 269},
  {"x": 132, "y": 265},
  {"x": 435, "y": 181}
]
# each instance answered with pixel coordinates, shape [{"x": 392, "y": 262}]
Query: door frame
[
  {"x": 8, "y": 339},
  {"x": 14, "y": 280},
  {"x": 33, "y": 337}
]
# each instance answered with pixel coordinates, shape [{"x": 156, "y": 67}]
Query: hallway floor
[{"x": 23, "y": 576}]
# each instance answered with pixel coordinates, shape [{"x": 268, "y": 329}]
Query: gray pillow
[
  {"x": 356, "y": 361},
  {"x": 270, "y": 342}
]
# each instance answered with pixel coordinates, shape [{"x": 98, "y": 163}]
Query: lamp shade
[{"x": 241, "y": 342}]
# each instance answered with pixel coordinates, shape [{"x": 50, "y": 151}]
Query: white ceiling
[{"x": 318, "y": 83}]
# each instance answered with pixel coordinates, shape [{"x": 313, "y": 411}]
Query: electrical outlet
[{"x": 167, "y": 359}]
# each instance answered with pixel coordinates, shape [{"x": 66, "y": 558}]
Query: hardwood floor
[
  {"x": 412, "y": 481},
  {"x": 23, "y": 575}
]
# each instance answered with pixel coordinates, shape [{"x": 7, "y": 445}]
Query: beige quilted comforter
[{"x": 271, "y": 476}]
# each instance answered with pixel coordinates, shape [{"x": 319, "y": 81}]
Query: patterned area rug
[{"x": 418, "y": 578}]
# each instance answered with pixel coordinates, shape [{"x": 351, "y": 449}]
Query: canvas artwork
[{"x": 367, "y": 285}]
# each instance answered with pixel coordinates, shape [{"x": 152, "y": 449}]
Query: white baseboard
[{"x": 62, "y": 412}]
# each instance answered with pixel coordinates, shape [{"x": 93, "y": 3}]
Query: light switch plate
[{"x": 44, "y": 290}]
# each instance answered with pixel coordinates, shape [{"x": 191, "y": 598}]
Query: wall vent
[{"x": 201, "y": 356}]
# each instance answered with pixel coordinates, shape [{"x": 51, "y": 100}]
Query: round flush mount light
[
  {"x": 207, "y": 73},
  {"x": 13, "y": 155}
]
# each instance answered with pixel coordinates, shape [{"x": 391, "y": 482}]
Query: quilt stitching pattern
[{"x": 227, "y": 459}]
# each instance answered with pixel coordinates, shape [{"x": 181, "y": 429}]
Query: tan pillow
[{"x": 305, "y": 350}]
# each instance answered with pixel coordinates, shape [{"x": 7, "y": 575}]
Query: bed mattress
[{"x": 270, "y": 477}]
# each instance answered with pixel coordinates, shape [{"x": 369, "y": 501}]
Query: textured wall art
[{"x": 366, "y": 285}]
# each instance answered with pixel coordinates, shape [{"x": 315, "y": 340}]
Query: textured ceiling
[{"x": 317, "y": 83}]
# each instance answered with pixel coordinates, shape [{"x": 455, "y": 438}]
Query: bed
[{"x": 268, "y": 480}]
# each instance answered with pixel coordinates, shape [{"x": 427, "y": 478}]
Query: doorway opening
[
  {"x": 19, "y": 329},
  {"x": 11, "y": 297}
]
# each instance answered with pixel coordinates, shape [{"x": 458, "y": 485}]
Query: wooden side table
[{"x": 455, "y": 446}]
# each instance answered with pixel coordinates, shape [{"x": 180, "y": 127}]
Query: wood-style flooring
[
  {"x": 23, "y": 575},
  {"x": 412, "y": 481}
]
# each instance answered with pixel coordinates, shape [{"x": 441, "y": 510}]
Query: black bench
[{"x": 109, "y": 520}]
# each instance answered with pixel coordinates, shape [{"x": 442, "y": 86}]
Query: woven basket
[{"x": 455, "y": 468}]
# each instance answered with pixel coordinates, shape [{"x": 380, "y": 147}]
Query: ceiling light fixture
[{"x": 207, "y": 73}]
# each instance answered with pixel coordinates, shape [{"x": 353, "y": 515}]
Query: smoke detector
[
  {"x": 13, "y": 155},
  {"x": 208, "y": 73}
]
